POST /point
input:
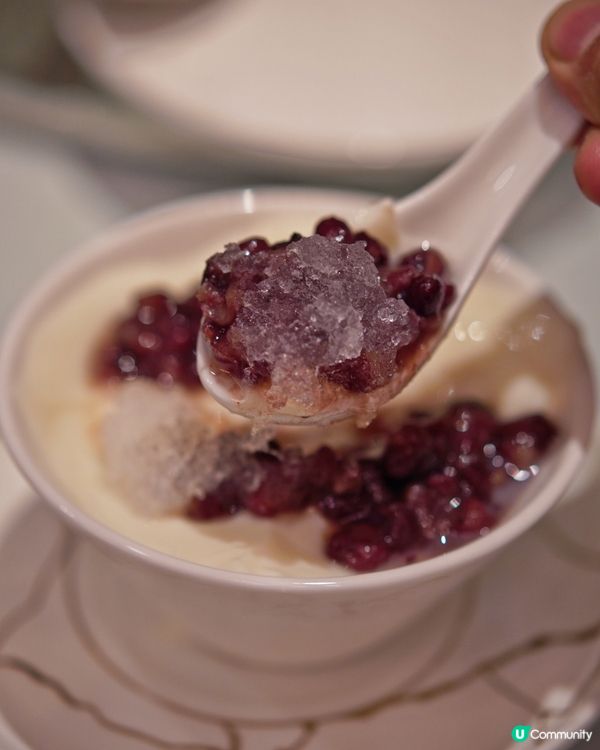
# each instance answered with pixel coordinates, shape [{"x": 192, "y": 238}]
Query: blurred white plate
[{"x": 338, "y": 85}]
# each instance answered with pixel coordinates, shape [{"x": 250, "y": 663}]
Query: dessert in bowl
[{"x": 246, "y": 584}]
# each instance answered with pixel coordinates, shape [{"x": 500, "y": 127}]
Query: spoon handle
[{"x": 473, "y": 201}]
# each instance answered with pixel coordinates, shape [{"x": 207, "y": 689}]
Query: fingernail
[{"x": 574, "y": 31}]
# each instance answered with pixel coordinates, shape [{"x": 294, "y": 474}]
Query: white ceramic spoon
[{"x": 464, "y": 212}]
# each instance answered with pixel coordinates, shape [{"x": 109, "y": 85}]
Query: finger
[
  {"x": 587, "y": 165},
  {"x": 571, "y": 47}
]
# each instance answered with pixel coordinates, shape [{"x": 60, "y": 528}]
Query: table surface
[{"x": 52, "y": 197}]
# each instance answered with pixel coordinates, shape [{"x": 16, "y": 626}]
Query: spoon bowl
[
  {"x": 464, "y": 211},
  {"x": 363, "y": 407}
]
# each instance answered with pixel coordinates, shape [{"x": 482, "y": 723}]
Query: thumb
[{"x": 571, "y": 47}]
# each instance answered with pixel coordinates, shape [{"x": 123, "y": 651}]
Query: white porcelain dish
[{"x": 332, "y": 88}]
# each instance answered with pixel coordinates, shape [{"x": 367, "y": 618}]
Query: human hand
[{"x": 571, "y": 48}]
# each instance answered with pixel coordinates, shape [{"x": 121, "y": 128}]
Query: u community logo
[{"x": 522, "y": 733}]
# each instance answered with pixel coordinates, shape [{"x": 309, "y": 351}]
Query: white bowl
[{"x": 143, "y": 593}]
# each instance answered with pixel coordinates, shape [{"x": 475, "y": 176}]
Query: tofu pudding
[{"x": 142, "y": 456}]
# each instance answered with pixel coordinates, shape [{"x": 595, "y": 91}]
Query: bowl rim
[{"x": 234, "y": 202}]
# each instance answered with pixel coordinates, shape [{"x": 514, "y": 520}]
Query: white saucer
[
  {"x": 316, "y": 87},
  {"x": 523, "y": 636}
]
